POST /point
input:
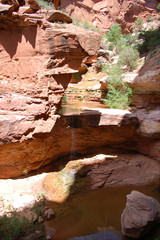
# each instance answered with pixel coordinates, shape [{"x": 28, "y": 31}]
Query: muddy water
[
  {"x": 79, "y": 107},
  {"x": 92, "y": 212}
]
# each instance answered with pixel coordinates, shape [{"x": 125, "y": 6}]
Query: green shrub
[
  {"x": 85, "y": 24},
  {"x": 150, "y": 18},
  {"x": 130, "y": 39},
  {"x": 121, "y": 44},
  {"x": 138, "y": 26},
  {"x": 104, "y": 67},
  {"x": 115, "y": 75},
  {"x": 45, "y": 4},
  {"x": 151, "y": 39},
  {"x": 12, "y": 227},
  {"x": 114, "y": 35},
  {"x": 64, "y": 98},
  {"x": 118, "y": 95},
  {"x": 158, "y": 7},
  {"x": 129, "y": 56}
]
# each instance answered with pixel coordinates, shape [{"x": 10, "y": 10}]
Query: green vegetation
[
  {"x": 129, "y": 56},
  {"x": 138, "y": 26},
  {"x": 45, "y": 4},
  {"x": 151, "y": 39},
  {"x": 85, "y": 24},
  {"x": 64, "y": 99},
  {"x": 12, "y": 227},
  {"x": 118, "y": 95},
  {"x": 127, "y": 47},
  {"x": 114, "y": 35},
  {"x": 150, "y": 18},
  {"x": 158, "y": 7}
]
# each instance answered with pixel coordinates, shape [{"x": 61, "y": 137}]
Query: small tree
[
  {"x": 118, "y": 95},
  {"x": 114, "y": 35},
  {"x": 129, "y": 56}
]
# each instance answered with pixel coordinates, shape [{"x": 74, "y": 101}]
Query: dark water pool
[{"x": 93, "y": 212}]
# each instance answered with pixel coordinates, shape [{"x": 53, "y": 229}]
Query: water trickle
[{"x": 73, "y": 143}]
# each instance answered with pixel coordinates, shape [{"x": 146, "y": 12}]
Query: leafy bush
[
  {"x": 129, "y": 56},
  {"x": 150, "y": 18},
  {"x": 158, "y": 7},
  {"x": 45, "y": 4},
  {"x": 151, "y": 39},
  {"x": 121, "y": 44},
  {"x": 85, "y": 24},
  {"x": 115, "y": 75},
  {"x": 130, "y": 39},
  {"x": 12, "y": 227},
  {"x": 118, "y": 95},
  {"x": 138, "y": 26},
  {"x": 114, "y": 35}
]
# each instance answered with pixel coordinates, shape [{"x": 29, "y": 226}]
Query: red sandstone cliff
[{"x": 103, "y": 14}]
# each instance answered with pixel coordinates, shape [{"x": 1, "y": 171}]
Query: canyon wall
[
  {"x": 37, "y": 59},
  {"x": 103, "y": 14}
]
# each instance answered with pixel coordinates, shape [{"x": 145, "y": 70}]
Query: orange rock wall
[{"x": 103, "y": 14}]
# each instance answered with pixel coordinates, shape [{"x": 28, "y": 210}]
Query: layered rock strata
[
  {"x": 103, "y": 14},
  {"x": 36, "y": 64},
  {"x": 74, "y": 135},
  {"x": 146, "y": 82}
]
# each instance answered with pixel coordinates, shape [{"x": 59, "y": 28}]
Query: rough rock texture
[
  {"x": 77, "y": 134},
  {"x": 141, "y": 214},
  {"x": 103, "y": 14},
  {"x": 146, "y": 83},
  {"x": 59, "y": 16},
  {"x": 36, "y": 64},
  {"x": 99, "y": 171}
]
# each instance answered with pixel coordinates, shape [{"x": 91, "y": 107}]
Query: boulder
[
  {"x": 140, "y": 215},
  {"x": 59, "y": 16},
  {"x": 49, "y": 214}
]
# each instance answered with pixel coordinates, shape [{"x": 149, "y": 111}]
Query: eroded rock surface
[
  {"x": 146, "y": 82},
  {"x": 100, "y": 171},
  {"x": 36, "y": 64},
  {"x": 141, "y": 214},
  {"x": 81, "y": 134},
  {"x": 103, "y": 14}
]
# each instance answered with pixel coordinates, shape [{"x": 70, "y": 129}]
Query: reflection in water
[
  {"x": 98, "y": 211},
  {"x": 79, "y": 107},
  {"x": 86, "y": 213}
]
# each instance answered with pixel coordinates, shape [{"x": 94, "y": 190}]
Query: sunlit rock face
[
  {"x": 36, "y": 64},
  {"x": 146, "y": 83},
  {"x": 76, "y": 135},
  {"x": 103, "y": 14},
  {"x": 100, "y": 171}
]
